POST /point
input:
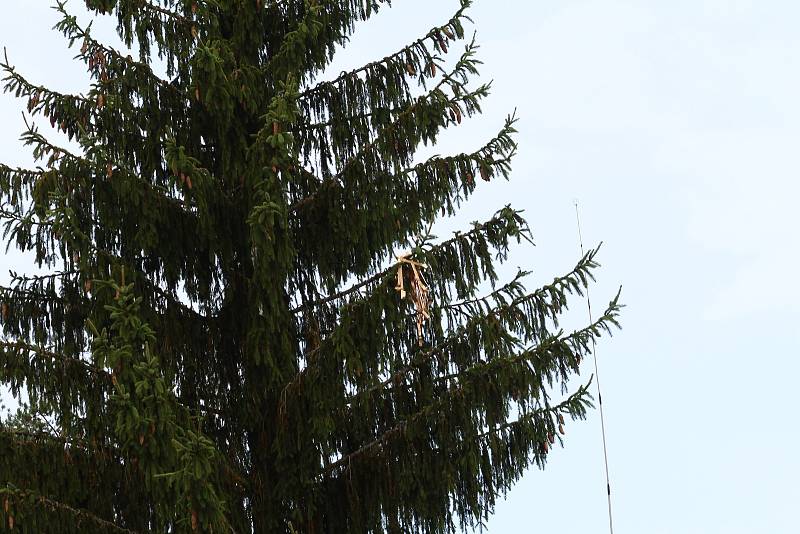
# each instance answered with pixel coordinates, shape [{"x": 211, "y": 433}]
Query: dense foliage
[{"x": 223, "y": 339}]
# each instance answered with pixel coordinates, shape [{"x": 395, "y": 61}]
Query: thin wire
[{"x": 597, "y": 376}]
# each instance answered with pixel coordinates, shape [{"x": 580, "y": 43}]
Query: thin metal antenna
[{"x": 597, "y": 376}]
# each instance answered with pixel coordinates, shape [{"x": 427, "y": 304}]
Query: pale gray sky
[{"x": 677, "y": 126}]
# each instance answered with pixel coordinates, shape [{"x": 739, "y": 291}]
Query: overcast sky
[{"x": 676, "y": 126}]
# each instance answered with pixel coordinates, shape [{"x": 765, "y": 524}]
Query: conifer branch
[
  {"x": 564, "y": 407},
  {"x": 37, "y": 278},
  {"x": 43, "y": 147},
  {"x": 338, "y": 122},
  {"x": 27, "y": 436},
  {"x": 434, "y": 34},
  {"x": 18, "y": 84},
  {"x": 68, "y": 25},
  {"x": 390, "y": 271},
  {"x": 418, "y": 120},
  {"x": 513, "y": 287},
  {"x": 28, "y": 293},
  {"x": 346, "y": 460},
  {"x": 149, "y": 6},
  {"x": 54, "y": 505},
  {"x": 465, "y": 63},
  {"x": 25, "y": 218},
  {"x": 567, "y": 280},
  {"x": 576, "y": 343},
  {"x": 388, "y": 275},
  {"x": 19, "y": 346},
  {"x": 7, "y": 172}
]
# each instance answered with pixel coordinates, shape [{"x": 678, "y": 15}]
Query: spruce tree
[{"x": 244, "y": 323}]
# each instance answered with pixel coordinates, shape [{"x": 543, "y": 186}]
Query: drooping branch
[
  {"x": 149, "y": 6},
  {"x": 34, "y": 498},
  {"x": 19, "y": 346},
  {"x": 455, "y": 76},
  {"x": 552, "y": 290},
  {"x": 434, "y": 35},
  {"x": 40, "y": 97},
  {"x": 390, "y": 272},
  {"x": 93, "y": 49},
  {"x": 556, "y": 347},
  {"x": 396, "y": 431}
]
